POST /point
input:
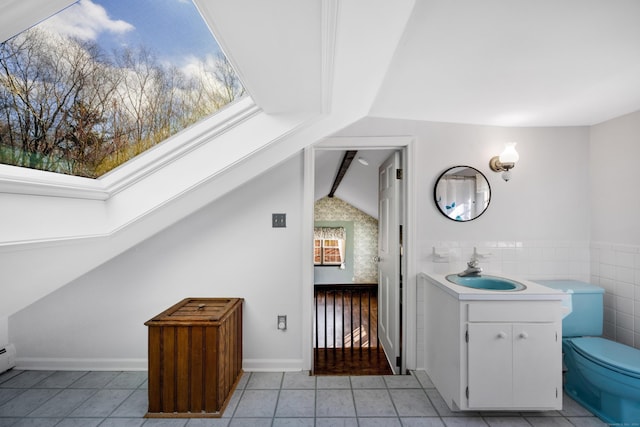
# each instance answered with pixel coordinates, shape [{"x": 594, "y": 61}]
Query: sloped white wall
[
  {"x": 227, "y": 249},
  {"x": 53, "y": 230}
]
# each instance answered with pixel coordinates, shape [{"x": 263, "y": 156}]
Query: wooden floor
[
  {"x": 346, "y": 331},
  {"x": 338, "y": 361}
]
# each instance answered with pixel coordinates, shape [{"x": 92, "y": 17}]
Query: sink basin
[{"x": 489, "y": 283}]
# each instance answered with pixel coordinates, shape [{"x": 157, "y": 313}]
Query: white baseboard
[
  {"x": 272, "y": 365},
  {"x": 69, "y": 364},
  {"x": 64, "y": 364}
]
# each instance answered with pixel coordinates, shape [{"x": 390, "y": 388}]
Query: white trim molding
[
  {"x": 272, "y": 365},
  {"x": 400, "y": 142},
  {"x": 73, "y": 364},
  {"x": 19, "y": 180}
]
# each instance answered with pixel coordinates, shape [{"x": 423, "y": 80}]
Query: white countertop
[{"x": 534, "y": 291}]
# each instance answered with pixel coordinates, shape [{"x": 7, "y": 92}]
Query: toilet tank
[{"x": 585, "y": 318}]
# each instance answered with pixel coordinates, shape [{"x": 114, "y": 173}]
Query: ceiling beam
[{"x": 344, "y": 167}]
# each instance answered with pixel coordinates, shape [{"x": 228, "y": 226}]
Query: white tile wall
[
  {"x": 526, "y": 259},
  {"x": 617, "y": 269},
  {"x": 614, "y": 267}
]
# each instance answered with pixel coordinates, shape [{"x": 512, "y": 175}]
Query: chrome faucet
[{"x": 473, "y": 266}]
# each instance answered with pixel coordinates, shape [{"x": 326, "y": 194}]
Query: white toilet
[{"x": 602, "y": 375}]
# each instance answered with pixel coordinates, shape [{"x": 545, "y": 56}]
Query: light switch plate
[
  {"x": 278, "y": 220},
  {"x": 282, "y": 322}
]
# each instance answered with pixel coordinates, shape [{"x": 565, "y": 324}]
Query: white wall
[
  {"x": 615, "y": 201},
  {"x": 152, "y": 191},
  {"x": 537, "y": 224},
  {"x": 615, "y": 204},
  {"x": 227, "y": 249}
]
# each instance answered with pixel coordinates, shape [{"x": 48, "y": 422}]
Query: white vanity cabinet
[
  {"x": 513, "y": 361},
  {"x": 494, "y": 350}
]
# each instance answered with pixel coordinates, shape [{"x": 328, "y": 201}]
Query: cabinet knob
[
  {"x": 524, "y": 335},
  {"x": 502, "y": 335}
]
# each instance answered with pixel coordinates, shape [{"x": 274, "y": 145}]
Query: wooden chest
[{"x": 195, "y": 357}]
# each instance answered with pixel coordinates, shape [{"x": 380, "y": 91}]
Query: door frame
[{"x": 406, "y": 144}]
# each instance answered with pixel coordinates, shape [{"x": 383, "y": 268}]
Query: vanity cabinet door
[
  {"x": 513, "y": 365},
  {"x": 537, "y": 364},
  {"x": 490, "y": 365}
]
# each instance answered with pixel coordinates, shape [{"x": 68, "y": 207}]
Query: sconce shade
[
  {"x": 505, "y": 161},
  {"x": 509, "y": 155}
]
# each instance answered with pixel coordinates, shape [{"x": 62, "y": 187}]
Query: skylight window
[{"x": 104, "y": 80}]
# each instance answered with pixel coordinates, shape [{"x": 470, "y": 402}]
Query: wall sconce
[{"x": 505, "y": 161}]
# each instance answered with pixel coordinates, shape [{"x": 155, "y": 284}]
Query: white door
[{"x": 389, "y": 259}]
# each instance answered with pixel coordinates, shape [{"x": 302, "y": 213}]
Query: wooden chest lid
[{"x": 196, "y": 310}]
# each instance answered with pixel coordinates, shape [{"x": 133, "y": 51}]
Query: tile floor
[{"x": 119, "y": 399}]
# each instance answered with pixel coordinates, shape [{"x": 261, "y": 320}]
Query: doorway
[{"x": 371, "y": 155}]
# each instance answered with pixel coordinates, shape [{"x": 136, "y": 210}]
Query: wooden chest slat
[{"x": 195, "y": 357}]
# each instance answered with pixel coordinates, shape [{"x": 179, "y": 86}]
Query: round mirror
[{"x": 462, "y": 193}]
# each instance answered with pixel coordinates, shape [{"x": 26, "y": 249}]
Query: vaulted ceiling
[
  {"x": 495, "y": 62},
  {"x": 515, "y": 63},
  {"x": 359, "y": 186}
]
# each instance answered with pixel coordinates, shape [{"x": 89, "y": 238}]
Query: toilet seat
[{"x": 612, "y": 355}]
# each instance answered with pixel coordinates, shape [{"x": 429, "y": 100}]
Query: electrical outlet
[
  {"x": 278, "y": 220},
  {"x": 282, "y": 322}
]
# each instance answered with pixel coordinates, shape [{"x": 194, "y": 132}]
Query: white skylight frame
[
  {"x": 30, "y": 181},
  {"x": 20, "y": 180}
]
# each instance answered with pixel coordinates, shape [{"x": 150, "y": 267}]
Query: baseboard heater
[{"x": 7, "y": 358}]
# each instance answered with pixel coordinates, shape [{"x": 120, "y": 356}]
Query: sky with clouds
[{"x": 173, "y": 29}]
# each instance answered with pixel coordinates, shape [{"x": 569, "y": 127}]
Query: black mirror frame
[{"x": 435, "y": 195}]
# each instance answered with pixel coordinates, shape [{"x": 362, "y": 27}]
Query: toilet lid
[{"x": 618, "y": 356}]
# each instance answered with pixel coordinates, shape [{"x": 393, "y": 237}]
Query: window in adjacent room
[{"x": 329, "y": 246}]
